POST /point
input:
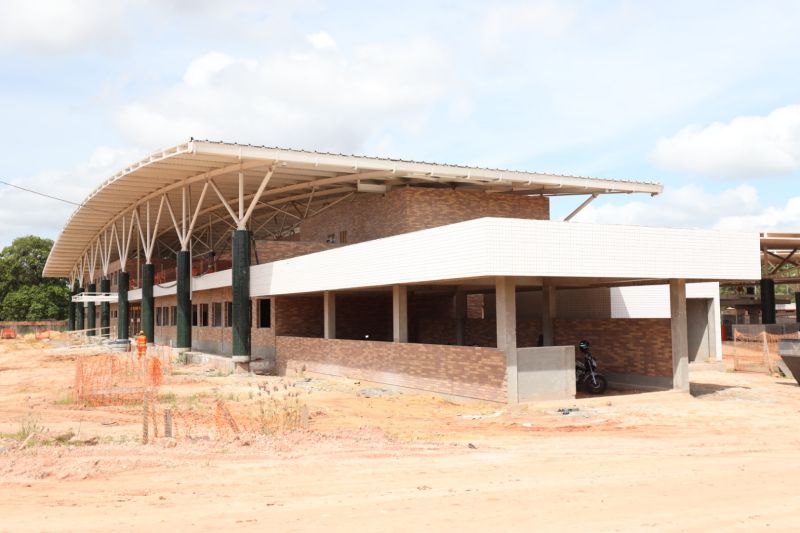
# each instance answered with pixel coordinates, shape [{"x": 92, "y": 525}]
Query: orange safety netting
[{"x": 113, "y": 379}]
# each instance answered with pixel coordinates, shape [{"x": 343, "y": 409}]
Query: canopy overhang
[{"x": 280, "y": 184}]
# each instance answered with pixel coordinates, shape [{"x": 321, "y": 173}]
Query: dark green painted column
[
  {"x": 767, "y": 301},
  {"x": 71, "y": 309},
  {"x": 79, "y": 314},
  {"x": 122, "y": 306},
  {"x": 148, "y": 304},
  {"x": 797, "y": 306},
  {"x": 105, "y": 315},
  {"x": 91, "y": 313},
  {"x": 240, "y": 272},
  {"x": 184, "y": 300}
]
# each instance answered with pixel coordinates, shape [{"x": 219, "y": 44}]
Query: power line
[{"x": 40, "y": 193}]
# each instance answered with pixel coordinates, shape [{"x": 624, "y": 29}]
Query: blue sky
[{"x": 701, "y": 96}]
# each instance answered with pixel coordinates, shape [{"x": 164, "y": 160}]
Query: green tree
[{"x": 24, "y": 293}]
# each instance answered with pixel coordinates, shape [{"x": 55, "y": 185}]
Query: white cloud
[
  {"x": 689, "y": 206},
  {"x": 321, "y": 40},
  {"x": 25, "y": 213},
  {"x": 746, "y": 147},
  {"x": 331, "y": 100},
  {"x": 57, "y": 26}
]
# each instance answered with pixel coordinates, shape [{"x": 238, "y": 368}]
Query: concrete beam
[
  {"x": 506, "y": 311},
  {"x": 680, "y": 336},
  {"x": 329, "y": 303},
  {"x": 399, "y": 313}
]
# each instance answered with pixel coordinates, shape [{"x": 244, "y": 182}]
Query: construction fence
[
  {"x": 142, "y": 383},
  {"x": 755, "y": 346}
]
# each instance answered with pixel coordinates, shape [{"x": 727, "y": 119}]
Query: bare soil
[{"x": 374, "y": 459}]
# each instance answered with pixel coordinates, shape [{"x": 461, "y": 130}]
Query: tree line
[{"x": 24, "y": 293}]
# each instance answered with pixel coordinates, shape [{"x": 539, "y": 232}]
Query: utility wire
[{"x": 40, "y": 193}]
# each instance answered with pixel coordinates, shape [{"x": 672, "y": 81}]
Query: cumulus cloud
[
  {"x": 325, "y": 100},
  {"x": 745, "y": 147},
  {"x": 689, "y": 206},
  {"x": 56, "y": 26},
  {"x": 24, "y": 213}
]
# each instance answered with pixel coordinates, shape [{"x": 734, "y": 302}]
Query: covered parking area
[{"x": 492, "y": 308}]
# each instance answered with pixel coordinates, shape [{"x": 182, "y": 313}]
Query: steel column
[
  {"x": 79, "y": 313},
  {"x": 240, "y": 251},
  {"x": 184, "y": 300},
  {"x": 148, "y": 304},
  {"x": 71, "y": 309},
  {"x": 91, "y": 313},
  {"x": 797, "y": 306},
  {"x": 105, "y": 324},
  {"x": 122, "y": 306},
  {"x": 767, "y": 301}
]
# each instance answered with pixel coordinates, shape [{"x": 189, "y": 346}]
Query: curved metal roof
[{"x": 312, "y": 178}]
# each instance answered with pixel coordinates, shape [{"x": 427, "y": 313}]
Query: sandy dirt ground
[{"x": 724, "y": 458}]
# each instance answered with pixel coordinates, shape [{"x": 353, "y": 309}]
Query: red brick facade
[
  {"x": 268, "y": 251},
  {"x": 406, "y": 209},
  {"x": 472, "y": 372},
  {"x": 627, "y": 346}
]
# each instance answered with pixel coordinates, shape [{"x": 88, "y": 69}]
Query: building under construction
[{"x": 444, "y": 278}]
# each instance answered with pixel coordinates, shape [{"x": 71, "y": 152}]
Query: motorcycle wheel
[{"x": 598, "y": 387}]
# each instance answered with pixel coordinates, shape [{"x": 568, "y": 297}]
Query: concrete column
[
  {"x": 105, "y": 313},
  {"x": 122, "y": 306},
  {"x": 460, "y": 316},
  {"x": 506, "y": 311},
  {"x": 91, "y": 313},
  {"x": 329, "y": 310},
  {"x": 399, "y": 313},
  {"x": 148, "y": 302},
  {"x": 680, "y": 337},
  {"x": 797, "y": 306},
  {"x": 767, "y": 301},
  {"x": 240, "y": 272},
  {"x": 80, "y": 313},
  {"x": 183, "y": 303},
  {"x": 548, "y": 314},
  {"x": 71, "y": 309}
]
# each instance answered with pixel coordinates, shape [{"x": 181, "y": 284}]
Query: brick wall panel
[
  {"x": 472, "y": 372},
  {"x": 627, "y": 346}
]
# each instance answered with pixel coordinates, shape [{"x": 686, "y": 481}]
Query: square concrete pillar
[
  {"x": 680, "y": 336},
  {"x": 329, "y": 303},
  {"x": 399, "y": 313},
  {"x": 548, "y": 314},
  {"x": 506, "y": 311}
]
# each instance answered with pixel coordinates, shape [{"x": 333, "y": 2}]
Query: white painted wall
[{"x": 512, "y": 247}]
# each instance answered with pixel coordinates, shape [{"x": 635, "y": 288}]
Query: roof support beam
[
  {"x": 580, "y": 207},
  {"x": 243, "y": 216}
]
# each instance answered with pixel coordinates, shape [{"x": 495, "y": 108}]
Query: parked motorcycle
[{"x": 586, "y": 375}]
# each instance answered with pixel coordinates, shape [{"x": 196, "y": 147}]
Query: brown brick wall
[
  {"x": 627, "y": 346},
  {"x": 262, "y": 340},
  {"x": 361, "y": 314},
  {"x": 300, "y": 316},
  {"x": 268, "y": 251},
  {"x": 463, "y": 371},
  {"x": 372, "y": 216}
]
